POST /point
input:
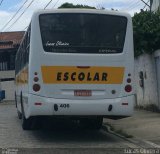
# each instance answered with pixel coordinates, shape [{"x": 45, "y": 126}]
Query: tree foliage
[
  {"x": 70, "y": 5},
  {"x": 146, "y": 28}
]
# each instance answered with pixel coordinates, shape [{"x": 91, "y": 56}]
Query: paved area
[
  {"x": 143, "y": 124},
  {"x": 71, "y": 139},
  {"x": 67, "y": 138}
]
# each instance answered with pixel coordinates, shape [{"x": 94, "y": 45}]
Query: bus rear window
[{"x": 82, "y": 33}]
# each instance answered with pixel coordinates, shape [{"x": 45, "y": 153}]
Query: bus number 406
[{"x": 64, "y": 105}]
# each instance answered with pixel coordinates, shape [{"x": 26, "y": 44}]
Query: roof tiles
[{"x": 10, "y": 39}]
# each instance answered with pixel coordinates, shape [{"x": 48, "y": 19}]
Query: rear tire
[
  {"x": 26, "y": 123},
  {"x": 19, "y": 114},
  {"x": 15, "y": 99}
]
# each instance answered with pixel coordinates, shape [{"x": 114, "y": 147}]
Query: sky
[{"x": 8, "y": 9}]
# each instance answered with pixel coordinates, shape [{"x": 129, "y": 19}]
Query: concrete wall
[
  {"x": 149, "y": 93},
  {"x": 156, "y": 5},
  {"x": 8, "y": 86}
]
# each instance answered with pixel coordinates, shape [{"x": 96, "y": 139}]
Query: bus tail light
[
  {"x": 37, "y": 103},
  {"x": 36, "y": 87},
  {"x": 36, "y": 79},
  {"x": 128, "y": 88},
  {"x": 124, "y": 103},
  {"x": 128, "y": 80}
]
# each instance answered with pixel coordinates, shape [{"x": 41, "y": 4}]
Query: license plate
[{"x": 82, "y": 93}]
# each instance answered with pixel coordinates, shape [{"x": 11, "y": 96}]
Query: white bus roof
[{"x": 74, "y": 10}]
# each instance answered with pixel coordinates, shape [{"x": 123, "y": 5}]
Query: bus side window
[
  {"x": 28, "y": 44},
  {"x": 25, "y": 50}
]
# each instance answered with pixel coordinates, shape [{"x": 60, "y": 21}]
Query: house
[{"x": 9, "y": 43}]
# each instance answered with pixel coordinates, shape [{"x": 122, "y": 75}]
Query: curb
[
  {"x": 108, "y": 129},
  {"x": 139, "y": 142},
  {"x": 7, "y": 103}
]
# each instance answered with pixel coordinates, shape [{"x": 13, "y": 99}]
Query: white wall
[
  {"x": 148, "y": 94},
  {"x": 155, "y": 5},
  {"x": 8, "y": 86}
]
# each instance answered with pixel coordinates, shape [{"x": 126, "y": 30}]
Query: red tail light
[
  {"x": 36, "y": 87},
  {"x": 128, "y": 88},
  {"x": 36, "y": 79},
  {"x": 37, "y": 103},
  {"x": 124, "y": 103}
]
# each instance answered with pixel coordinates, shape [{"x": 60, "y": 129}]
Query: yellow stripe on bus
[{"x": 76, "y": 75}]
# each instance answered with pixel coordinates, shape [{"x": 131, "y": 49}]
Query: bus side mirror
[{"x": 141, "y": 81}]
